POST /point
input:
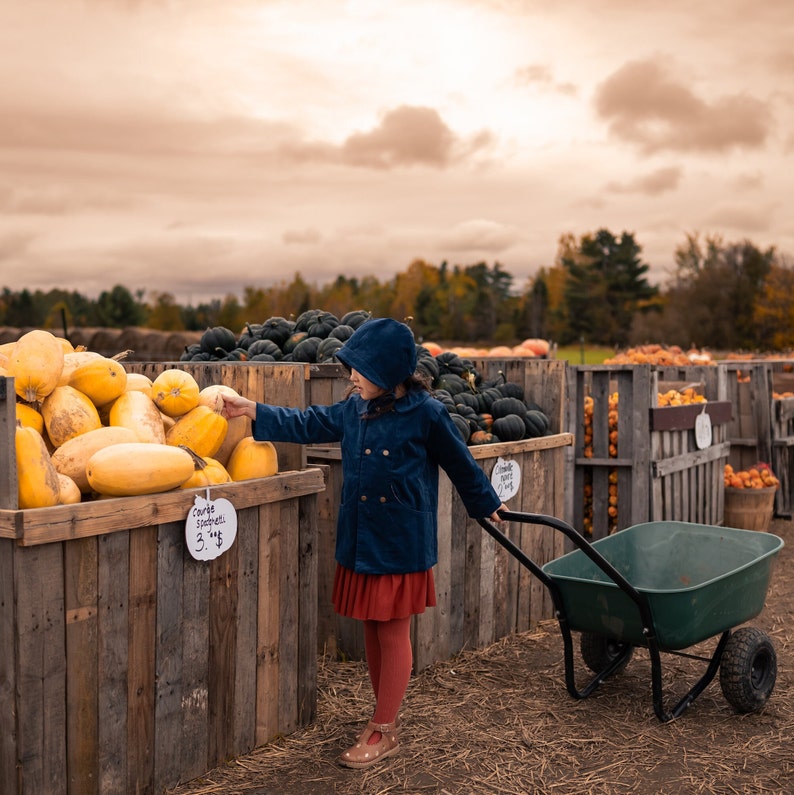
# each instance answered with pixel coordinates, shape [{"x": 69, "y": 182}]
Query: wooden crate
[
  {"x": 659, "y": 472},
  {"x": 763, "y": 424},
  {"x": 544, "y": 381},
  {"x": 483, "y": 593},
  {"x": 128, "y": 666}
]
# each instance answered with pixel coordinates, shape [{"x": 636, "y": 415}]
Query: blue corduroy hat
[{"x": 383, "y": 350}]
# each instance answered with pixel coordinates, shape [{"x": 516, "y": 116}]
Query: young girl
[{"x": 394, "y": 435}]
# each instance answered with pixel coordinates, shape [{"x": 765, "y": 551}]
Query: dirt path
[{"x": 501, "y": 721}]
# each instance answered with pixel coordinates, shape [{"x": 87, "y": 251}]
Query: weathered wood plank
[
  {"x": 113, "y": 634},
  {"x": 169, "y": 696},
  {"x": 65, "y": 522},
  {"x": 141, "y": 655},
  {"x": 244, "y": 737},
  {"x": 195, "y": 665},
  {"x": 306, "y": 679},
  {"x": 41, "y": 671},
  {"x": 268, "y": 625},
  {"x": 8, "y": 678},
  {"x": 82, "y": 713},
  {"x": 223, "y": 604},
  {"x": 288, "y": 616}
]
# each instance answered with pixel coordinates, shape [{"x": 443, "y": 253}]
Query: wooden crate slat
[
  {"x": 41, "y": 669},
  {"x": 8, "y": 664},
  {"x": 244, "y": 733},
  {"x": 113, "y": 622},
  {"x": 141, "y": 656},
  {"x": 82, "y": 681},
  {"x": 195, "y": 662},
  {"x": 168, "y": 762}
]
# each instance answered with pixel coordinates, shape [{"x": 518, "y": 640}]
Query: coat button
[
  {"x": 385, "y": 452},
  {"x": 363, "y": 498},
  {"x": 367, "y": 451},
  {"x": 383, "y": 499}
]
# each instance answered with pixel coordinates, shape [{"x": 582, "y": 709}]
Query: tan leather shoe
[{"x": 362, "y": 754}]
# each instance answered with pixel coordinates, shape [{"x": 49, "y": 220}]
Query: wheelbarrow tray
[{"x": 699, "y": 581}]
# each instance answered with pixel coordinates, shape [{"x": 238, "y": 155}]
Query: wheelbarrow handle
[{"x": 578, "y": 540}]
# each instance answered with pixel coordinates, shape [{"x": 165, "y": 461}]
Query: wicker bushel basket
[{"x": 749, "y": 509}]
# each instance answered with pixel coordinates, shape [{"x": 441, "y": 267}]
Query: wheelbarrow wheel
[
  {"x": 748, "y": 669},
  {"x": 598, "y": 652}
]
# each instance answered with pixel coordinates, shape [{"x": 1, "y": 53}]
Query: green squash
[{"x": 509, "y": 428}]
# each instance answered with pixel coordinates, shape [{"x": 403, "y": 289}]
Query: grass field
[{"x": 589, "y": 354}]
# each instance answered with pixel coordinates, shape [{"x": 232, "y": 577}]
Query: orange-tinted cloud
[
  {"x": 407, "y": 136},
  {"x": 653, "y": 184},
  {"x": 541, "y": 75},
  {"x": 646, "y": 106}
]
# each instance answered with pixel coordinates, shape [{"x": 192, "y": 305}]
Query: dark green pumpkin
[
  {"x": 355, "y": 318},
  {"x": 261, "y": 357},
  {"x": 218, "y": 337},
  {"x": 445, "y": 398},
  {"x": 264, "y": 346},
  {"x": 511, "y": 389},
  {"x": 507, "y": 405},
  {"x": 293, "y": 340},
  {"x": 462, "y": 424},
  {"x": 327, "y": 348},
  {"x": 450, "y": 362},
  {"x": 276, "y": 329},
  {"x": 536, "y": 422},
  {"x": 342, "y": 332},
  {"x": 509, "y": 428},
  {"x": 487, "y": 396},
  {"x": 322, "y": 325},
  {"x": 468, "y": 399},
  {"x": 306, "y": 350},
  {"x": 305, "y": 318},
  {"x": 190, "y": 351},
  {"x": 451, "y": 382},
  {"x": 428, "y": 367}
]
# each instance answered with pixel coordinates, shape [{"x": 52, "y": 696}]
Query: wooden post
[{"x": 8, "y": 463}]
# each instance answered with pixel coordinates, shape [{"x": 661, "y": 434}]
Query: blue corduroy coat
[{"x": 388, "y": 516}]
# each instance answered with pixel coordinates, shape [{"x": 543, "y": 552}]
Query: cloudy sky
[{"x": 201, "y": 146}]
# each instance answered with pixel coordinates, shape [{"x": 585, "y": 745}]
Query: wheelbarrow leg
[{"x": 697, "y": 688}]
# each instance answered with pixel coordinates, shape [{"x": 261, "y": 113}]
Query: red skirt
[{"x": 381, "y": 597}]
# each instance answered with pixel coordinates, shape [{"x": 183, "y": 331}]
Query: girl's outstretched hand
[{"x": 238, "y": 406}]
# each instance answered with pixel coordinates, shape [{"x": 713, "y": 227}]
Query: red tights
[{"x": 389, "y": 660}]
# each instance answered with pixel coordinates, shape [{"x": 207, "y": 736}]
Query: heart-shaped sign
[{"x": 211, "y": 527}]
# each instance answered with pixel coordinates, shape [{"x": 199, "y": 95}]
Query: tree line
[{"x": 722, "y": 296}]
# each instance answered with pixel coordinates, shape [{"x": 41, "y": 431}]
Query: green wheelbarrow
[{"x": 664, "y": 586}]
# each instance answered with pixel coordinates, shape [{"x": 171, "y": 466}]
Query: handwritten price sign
[
  {"x": 211, "y": 528},
  {"x": 506, "y": 478}
]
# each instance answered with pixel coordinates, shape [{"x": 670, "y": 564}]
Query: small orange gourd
[
  {"x": 208, "y": 472},
  {"x": 252, "y": 459},
  {"x": 37, "y": 479},
  {"x": 175, "y": 392},
  {"x": 201, "y": 429},
  {"x": 28, "y": 416}
]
